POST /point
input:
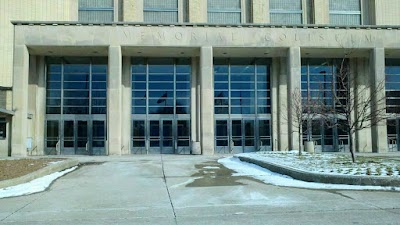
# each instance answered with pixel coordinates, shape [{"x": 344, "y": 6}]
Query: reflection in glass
[
  {"x": 235, "y": 84},
  {"x": 165, "y": 80},
  {"x": 52, "y": 133}
]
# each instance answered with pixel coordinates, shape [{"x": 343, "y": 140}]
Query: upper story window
[
  {"x": 96, "y": 11},
  {"x": 286, "y": 11},
  {"x": 161, "y": 11},
  {"x": 345, "y": 12},
  {"x": 224, "y": 11}
]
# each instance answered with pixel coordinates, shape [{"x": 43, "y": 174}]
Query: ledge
[
  {"x": 249, "y": 25},
  {"x": 52, "y": 168},
  {"x": 324, "y": 178}
]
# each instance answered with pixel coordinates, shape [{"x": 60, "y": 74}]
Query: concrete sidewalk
[{"x": 173, "y": 189}]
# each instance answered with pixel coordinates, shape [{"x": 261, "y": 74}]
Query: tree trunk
[
  {"x": 353, "y": 157},
  {"x": 300, "y": 137}
]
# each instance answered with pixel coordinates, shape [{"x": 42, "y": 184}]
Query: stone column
[
  {"x": 321, "y": 11},
  {"x": 37, "y": 103},
  {"x": 126, "y": 105},
  {"x": 32, "y": 93},
  {"x": 294, "y": 86},
  {"x": 363, "y": 81},
  {"x": 283, "y": 137},
  {"x": 261, "y": 11},
  {"x": 132, "y": 10},
  {"x": 198, "y": 11},
  {"x": 116, "y": 10},
  {"x": 194, "y": 103},
  {"x": 275, "y": 103},
  {"x": 207, "y": 101},
  {"x": 114, "y": 96},
  {"x": 379, "y": 132},
  {"x": 20, "y": 101},
  {"x": 40, "y": 104}
]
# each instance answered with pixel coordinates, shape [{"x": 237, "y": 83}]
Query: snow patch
[
  {"x": 266, "y": 176},
  {"x": 34, "y": 186},
  {"x": 211, "y": 167}
]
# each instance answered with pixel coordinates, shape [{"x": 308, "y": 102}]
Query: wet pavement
[{"x": 173, "y": 189}]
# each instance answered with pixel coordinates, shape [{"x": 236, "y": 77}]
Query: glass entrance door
[
  {"x": 163, "y": 136},
  {"x": 76, "y": 136},
  {"x": 241, "y": 135},
  {"x": 68, "y": 138},
  {"x": 393, "y": 128},
  {"x": 52, "y": 141},
  {"x": 236, "y": 136},
  {"x": 82, "y": 138},
  {"x": 167, "y": 138},
  {"x": 98, "y": 137},
  {"x": 183, "y": 137},
  {"x": 327, "y": 137}
]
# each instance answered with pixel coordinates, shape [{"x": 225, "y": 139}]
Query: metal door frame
[
  {"x": 161, "y": 149},
  {"x": 243, "y": 148},
  {"x": 392, "y": 142},
  {"x": 75, "y": 119},
  {"x": 337, "y": 139}
]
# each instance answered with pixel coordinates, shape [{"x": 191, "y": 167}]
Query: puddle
[{"x": 213, "y": 174}]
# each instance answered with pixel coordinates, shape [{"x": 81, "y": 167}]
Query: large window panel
[
  {"x": 161, "y": 86},
  {"x": 224, "y": 11},
  {"x": 392, "y": 72},
  {"x": 286, "y": 11},
  {"x": 76, "y": 86},
  {"x": 319, "y": 78},
  {"x": 241, "y": 86},
  {"x": 96, "y": 11},
  {"x": 345, "y": 12},
  {"x": 160, "y": 11}
]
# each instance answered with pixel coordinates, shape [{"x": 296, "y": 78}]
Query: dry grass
[{"x": 19, "y": 167}]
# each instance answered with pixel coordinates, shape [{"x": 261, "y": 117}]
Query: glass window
[
  {"x": 84, "y": 87},
  {"x": 160, "y": 11},
  {"x": 319, "y": 78},
  {"x": 241, "y": 86},
  {"x": 286, "y": 11},
  {"x": 3, "y": 128},
  {"x": 161, "y": 86},
  {"x": 224, "y": 11},
  {"x": 96, "y": 11},
  {"x": 345, "y": 12},
  {"x": 392, "y": 85}
]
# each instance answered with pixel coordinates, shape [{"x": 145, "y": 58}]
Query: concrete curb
[
  {"x": 324, "y": 178},
  {"x": 52, "y": 168}
]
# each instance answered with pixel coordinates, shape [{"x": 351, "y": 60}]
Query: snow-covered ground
[
  {"x": 248, "y": 169},
  {"x": 34, "y": 186},
  {"x": 335, "y": 164}
]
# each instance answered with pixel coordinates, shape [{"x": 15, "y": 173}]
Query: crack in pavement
[
  {"x": 166, "y": 186},
  {"x": 16, "y": 211}
]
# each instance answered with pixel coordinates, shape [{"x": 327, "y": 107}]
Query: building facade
[{"x": 111, "y": 77}]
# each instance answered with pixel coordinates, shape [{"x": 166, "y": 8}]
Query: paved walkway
[{"x": 173, "y": 189}]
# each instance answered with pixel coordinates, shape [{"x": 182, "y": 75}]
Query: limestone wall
[{"x": 29, "y": 10}]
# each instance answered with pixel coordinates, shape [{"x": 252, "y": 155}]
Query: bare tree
[
  {"x": 303, "y": 109},
  {"x": 359, "y": 106}
]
